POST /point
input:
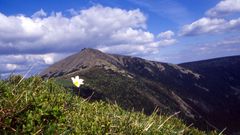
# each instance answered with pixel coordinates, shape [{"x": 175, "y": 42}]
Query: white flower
[{"x": 77, "y": 81}]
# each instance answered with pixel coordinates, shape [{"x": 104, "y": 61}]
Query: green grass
[
  {"x": 126, "y": 92},
  {"x": 36, "y": 106}
]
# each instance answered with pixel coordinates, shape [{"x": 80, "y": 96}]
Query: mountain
[{"x": 207, "y": 93}]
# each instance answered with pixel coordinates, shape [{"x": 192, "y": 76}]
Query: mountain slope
[
  {"x": 36, "y": 106},
  {"x": 137, "y": 83},
  {"x": 221, "y": 79}
]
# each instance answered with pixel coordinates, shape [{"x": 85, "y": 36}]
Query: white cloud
[
  {"x": 11, "y": 66},
  {"x": 165, "y": 42},
  {"x": 215, "y": 22},
  {"x": 224, "y": 7},
  {"x": 138, "y": 42},
  {"x": 210, "y": 25},
  {"x": 138, "y": 49},
  {"x": 40, "y": 13},
  {"x": 128, "y": 49},
  {"x": 56, "y": 33},
  {"x": 40, "y": 39},
  {"x": 166, "y": 35},
  {"x": 21, "y": 62},
  {"x": 130, "y": 35},
  {"x": 72, "y": 12},
  {"x": 6, "y": 68},
  {"x": 23, "y": 59}
]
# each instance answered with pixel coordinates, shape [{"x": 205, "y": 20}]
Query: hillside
[
  {"x": 36, "y": 106},
  {"x": 141, "y": 84},
  {"x": 221, "y": 79}
]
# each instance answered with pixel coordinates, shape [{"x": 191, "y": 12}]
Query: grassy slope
[
  {"x": 126, "y": 92},
  {"x": 34, "y": 106}
]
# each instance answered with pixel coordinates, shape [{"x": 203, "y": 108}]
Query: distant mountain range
[{"x": 207, "y": 93}]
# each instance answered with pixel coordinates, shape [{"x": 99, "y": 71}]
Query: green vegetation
[
  {"x": 36, "y": 106},
  {"x": 127, "y": 92}
]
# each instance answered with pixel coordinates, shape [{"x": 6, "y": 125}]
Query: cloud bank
[
  {"x": 44, "y": 38},
  {"x": 210, "y": 25},
  {"x": 224, "y": 7},
  {"x": 215, "y": 20}
]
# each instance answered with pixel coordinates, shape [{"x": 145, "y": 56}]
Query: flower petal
[{"x": 77, "y": 77}]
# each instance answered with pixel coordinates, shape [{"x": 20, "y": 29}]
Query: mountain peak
[
  {"x": 89, "y": 50},
  {"x": 86, "y": 58}
]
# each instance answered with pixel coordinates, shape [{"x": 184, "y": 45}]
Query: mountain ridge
[{"x": 136, "y": 83}]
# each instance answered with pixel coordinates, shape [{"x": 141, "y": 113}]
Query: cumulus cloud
[
  {"x": 166, "y": 35},
  {"x": 96, "y": 26},
  {"x": 41, "y": 38},
  {"x": 130, "y": 35},
  {"x": 224, "y": 7},
  {"x": 215, "y": 22},
  {"x": 7, "y": 67},
  {"x": 22, "y": 62},
  {"x": 128, "y": 49},
  {"x": 144, "y": 43},
  {"x": 210, "y": 25},
  {"x": 40, "y": 13}
]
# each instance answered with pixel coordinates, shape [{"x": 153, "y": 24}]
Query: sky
[{"x": 37, "y": 33}]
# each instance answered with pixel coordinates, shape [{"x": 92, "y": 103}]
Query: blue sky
[
  {"x": 37, "y": 33},
  {"x": 161, "y": 14}
]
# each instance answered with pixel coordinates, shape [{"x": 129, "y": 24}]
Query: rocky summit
[{"x": 207, "y": 93}]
